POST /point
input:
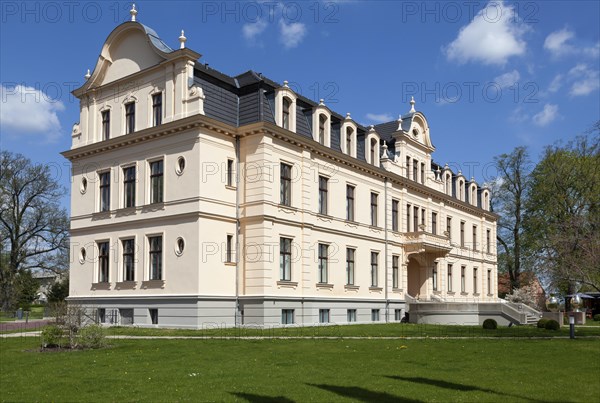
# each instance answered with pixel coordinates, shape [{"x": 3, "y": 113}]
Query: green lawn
[
  {"x": 369, "y": 330},
  {"x": 305, "y": 370}
]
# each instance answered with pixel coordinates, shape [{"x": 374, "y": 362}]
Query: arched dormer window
[
  {"x": 485, "y": 199},
  {"x": 348, "y": 132},
  {"x": 285, "y": 108},
  {"x": 322, "y": 125},
  {"x": 285, "y": 122},
  {"x": 461, "y": 190},
  {"x": 473, "y": 197},
  {"x": 372, "y": 147},
  {"x": 448, "y": 183}
]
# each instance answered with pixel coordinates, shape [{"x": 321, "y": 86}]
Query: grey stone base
[{"x": 220, "y": 312}]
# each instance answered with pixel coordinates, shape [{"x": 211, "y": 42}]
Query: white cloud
[
  {"x": 560, "y": 43},
  {"x": 518, "y": 115},
  {"x": 493, "y": 36},
  {"x": 291, "y": 34},
  {"x": 379, "y": 117},
  {"x": 585, "y": 80},
  {"x": 252, "y": 30},
  {"x": 546, "y": 116},
  {"x": 507, "y": 79},
  {"x": 28, "y": 111},
  {"x": 556, "y": 83}
]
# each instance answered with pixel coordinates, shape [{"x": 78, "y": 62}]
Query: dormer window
[
  {"x": 485, "y": 200},
  {"x": 474, "y": 195},
  {"x": 372, "y": 147},
  {"x": 448, "y": 183},
  {"x": 129, "y": 117},
  {"x": 373, "y": 150},
  {"x": 287, "y": 103},
  {"x": 461, "y": 190},
  {"x": 348, "y": 140},
  {"x": 322, "y": 123}
]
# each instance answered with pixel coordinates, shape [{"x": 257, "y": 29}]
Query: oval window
[
  {"x": 179, "y": 246},
  {"x": 82, "y": 255},
  {"x": 83, "y": 186},
  {"x": 180, "y": 165}
]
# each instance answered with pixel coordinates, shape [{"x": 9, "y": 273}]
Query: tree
[
  {"x": 563, "y": 214},
  {"x": 33, "y": 226},
  {"x": 509, "y": 193},
  {"x": 26, "y": 289},
  {"x": 59, "y": 291}
]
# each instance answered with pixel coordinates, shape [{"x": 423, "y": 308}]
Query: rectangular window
[
  {"x": 323, "y": 190},
  {"x": 287, "y": 316},
  {"x": 489, "y": 282},
  {"x": 323, "y": 258},
  {"x": 475, "y": 289},
  {"x": 449, "y": 227},
  {"x": 128, "y": 260},
  {"x": 395, "y": 215},
  {"x": 153, "y": 312},
  {"x": 126, "y": 316},
  {"x": 129, "y": 187},
  {"x": 130, "y": 117},
  {"x": 156, "y": 181},
  {"x": 104, "y": 191},
  {"x": 407, "y": 167},
  {"x": 286, "y": 113},
  {"x": 374, "y": 268},
  {"x": 374, "y": 209},
  {"x": 350, "y": 253},
  {"x": 449, "y": 278},
  {"x": 422, "y": 173},
  {"x": 423, "y": 218},
  {"x": 375, "y": 315},
  {"x": 351, "y": 315},
  {"x": 101, "y": 315},
  {"x": 434, "y": 276},
  {"x": 105, "y": 125},
  {"x": 156, "y": 262},
  {"x": 285, "y": 259},
  {"x": 229, "y": 249},
  {"x": 488, "y": 240},
  {"x": 408, "y": 218},
  {"x": 474, "y": 237},
  {"x": 397, "y": 315},
  {"x": 230, "y": 172},
  {"x": 434, "y": 223},
  {"x": 349, "y": 203},
  {"x": 415, "y": 218},
  {"x": 285, "y": 181},
  {"x": 462, "y": 234},
  {"x": 415, "y": 170},
  {"x": 323, "y": 315},
  {"x": 463, "y": 273},
  {"x": 103, "y": 262},
  {"x": 395, "y": 271},
  {"x": 157, "y": 109}
]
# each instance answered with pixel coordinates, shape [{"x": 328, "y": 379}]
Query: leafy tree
[
  {"x": 33, "y": 226},
  {"x": 59, "y": 291},
  {"x": 509, "y": 193},
  {"x": 563, "y": 214},
  {"x": 26, "y": 289}
]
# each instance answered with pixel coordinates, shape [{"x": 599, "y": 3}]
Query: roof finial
[
  {"x": 87, "y": 75},
  {"x": 321, "y": 101},
  {"x": 384, "y": 154},
  {"x": 399, "y": 123},
  {"x": 285, "y": 84},
  {"x": 412, "y": 105},
  {"x": 182, "y": 40},
  {"x": 133, "y": 12},
  {"x": 348, "y": 115}
]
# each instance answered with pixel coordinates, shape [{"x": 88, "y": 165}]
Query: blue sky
[{"x": 489, "y": 76}]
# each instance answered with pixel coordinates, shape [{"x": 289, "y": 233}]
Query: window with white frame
[
  {"x": 323, "y": 263},
  {"x": 285, "y": 259},
  {"x": 128, "y": 259},
  {"x": 351, "y": 315},
  {"x": 372, "y": 147},
  {"x": 434, "y": 276},
  {"x": 104, "y": 181},
  {"x": 129, "y": 182},
  {"x": 155, "y": 257},
  {"x": 157, "y": 109},
  {"x": 156, "y": 181},
  {"x": 285, "y": 184},
  {"x": 463, "y": 275},
  {"x": 375, "y": 315},
  {"x": 324, "y": 315},
  {"x": 286, "y": 106},
  {"x": 395, "y": 204},
  {"x": 350, "y": 256},
  {"x": 374, "y": 269},
  {"x": 287, "y": 316},
  {"x": 106, "y": 124},
  {"x": 350, "y": 202},
  {"x": 322, "y": 125},
  {"x": 374, "y": 212},
  {"x": 395, "y": 271},
  {"x": 129, "y": 117},
  {"x": 323, "y": 194},
  {"x": 449, "y": 277},
  {"x": 475, "y": 281},
  {"x": 103, "y": 262}
]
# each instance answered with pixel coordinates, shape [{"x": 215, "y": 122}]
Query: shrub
[
  {"x": 541, "y": 324},
  {"x": 490, "y": 324},
  {"x": 52, "y": 336},
  {"x": 597, "y": 317},
  {"x": 91, "y": 336},
  {"x": 552, "y": 325}
]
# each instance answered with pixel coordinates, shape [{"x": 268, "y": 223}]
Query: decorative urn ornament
[
  {"x": 552, "y": 303},
  {"x": 576, "y": 302}
]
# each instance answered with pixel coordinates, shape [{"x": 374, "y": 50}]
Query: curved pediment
[
  {"x": 419, "y": 130},
  {"x": 130, "y": 48}
]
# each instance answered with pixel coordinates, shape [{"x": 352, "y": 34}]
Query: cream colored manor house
[{"x": 200, "y": 199}]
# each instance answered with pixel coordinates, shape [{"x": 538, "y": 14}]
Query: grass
[
  {"x": 305, "y": 370},
  {"x": 369, "y": 330},
  {"x": 36, "y": 312}
]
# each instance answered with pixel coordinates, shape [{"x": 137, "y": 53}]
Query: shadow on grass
[
  {"x": 456, "y": 386},
  {"x": 364, "y": 395},
  {"x": 252, "y": 398}
]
